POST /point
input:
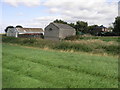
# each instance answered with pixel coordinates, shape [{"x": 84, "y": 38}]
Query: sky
[{"x": 39, "y": 13}]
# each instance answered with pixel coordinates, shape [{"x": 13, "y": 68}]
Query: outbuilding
[
  {"x": 24, "y": 32},
  {"x": 57, "y": 31}
]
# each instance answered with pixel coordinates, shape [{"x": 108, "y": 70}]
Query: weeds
[{"x": 88, "y": 45}]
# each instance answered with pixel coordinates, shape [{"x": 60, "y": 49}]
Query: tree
[
  {"x": 116, "y": 25},
  {"x": 19, "y": 26},
  {"x": 8, "y": 27},
  {"x": 60, "y": 21},
  {"x": 81, "y": 26},
  {"x": 72, "y": 25},
  {"x": 91, "y": 28}
]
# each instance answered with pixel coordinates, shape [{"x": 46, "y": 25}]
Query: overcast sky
[{"x": 39, "y": 13}]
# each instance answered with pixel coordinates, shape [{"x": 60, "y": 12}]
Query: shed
[
  {"x": 57, "y": 31},
  {"x": 25, "y": 32}
]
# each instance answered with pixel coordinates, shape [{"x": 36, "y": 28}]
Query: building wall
[
  {"x": 12, "y": 32},
  {"x": 66, "y": 32},
  {"x": 51, "y": 32},
  {"x": 37, "y": 35}
]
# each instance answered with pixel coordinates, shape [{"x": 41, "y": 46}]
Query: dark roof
[
  {"x": 29, "y": 30},
  {"x": 102, "y": 26},
  {"x": 62, "y": 26}
]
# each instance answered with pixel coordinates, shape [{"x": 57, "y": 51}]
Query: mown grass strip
[
  {"x": 13, "y": 79},
  {"x": 57, "y": 76},
  {"x": 76, "y": 69}
]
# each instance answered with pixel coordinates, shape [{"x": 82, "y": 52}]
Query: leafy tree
[
  {"x": 72, "y": 25},
  {"x": 60, "y": 21},
  {"x": 81, "y": 26},
  {"x": 8, "y": 27},
  {"x": 116, "y": 25},
  {"x": 92, "y": 27}
]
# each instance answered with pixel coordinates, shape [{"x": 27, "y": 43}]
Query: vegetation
[
  {"x": 59, "y": 21},
  {"x": 35, "y": 68},
  {"x": 100, "y": 45},
  {"x": 81, "y": 26},
  {"x": 117, "y": 25}
]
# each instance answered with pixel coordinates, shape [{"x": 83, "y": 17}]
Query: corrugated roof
[
  {"x": 63, "y": 26},
  {"x": 29, "y": 30}
]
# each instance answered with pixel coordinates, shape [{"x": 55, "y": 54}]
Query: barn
[
  {"x": 24, "y": 32},
  {"x": 57, "y": 31}
]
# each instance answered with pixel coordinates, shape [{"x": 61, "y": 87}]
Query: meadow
[{"x": 28, "y": 67}]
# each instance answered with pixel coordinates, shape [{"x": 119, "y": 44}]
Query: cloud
[
  {"x": 23, "y": 2},
  {"x": 93, "y": 11}
]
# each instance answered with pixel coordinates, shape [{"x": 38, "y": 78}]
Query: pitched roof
[
  {"x": 102, "y": 26},
  {"x": 62, "y": 26},
  {"x": 29, "y": 30}
]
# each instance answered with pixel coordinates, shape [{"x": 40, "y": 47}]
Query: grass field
[{"x": 36, "y": 68}]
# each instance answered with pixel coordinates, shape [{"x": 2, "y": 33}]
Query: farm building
[
  {"x": 25, "y": 32},
  {"x": 57, "y": 31}
]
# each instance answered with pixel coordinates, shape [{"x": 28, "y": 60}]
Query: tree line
[{"x": 82, "y": 26}]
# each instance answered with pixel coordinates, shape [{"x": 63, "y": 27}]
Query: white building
[{"x": 25, "y": 32}]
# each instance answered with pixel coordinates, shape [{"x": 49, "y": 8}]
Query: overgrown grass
[
  {"x": 89, "y": 37},
  {"x": 33, "y": 68},
  {"x": 85, "y": 45}
]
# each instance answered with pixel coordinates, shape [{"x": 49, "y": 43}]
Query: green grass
[{"x": 36, "y": 68}]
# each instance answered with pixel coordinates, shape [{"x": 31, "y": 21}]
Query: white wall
[{"x": 12, "y": 32}]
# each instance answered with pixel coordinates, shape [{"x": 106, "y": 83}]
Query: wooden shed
[{"x": 57, "y": 31}]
